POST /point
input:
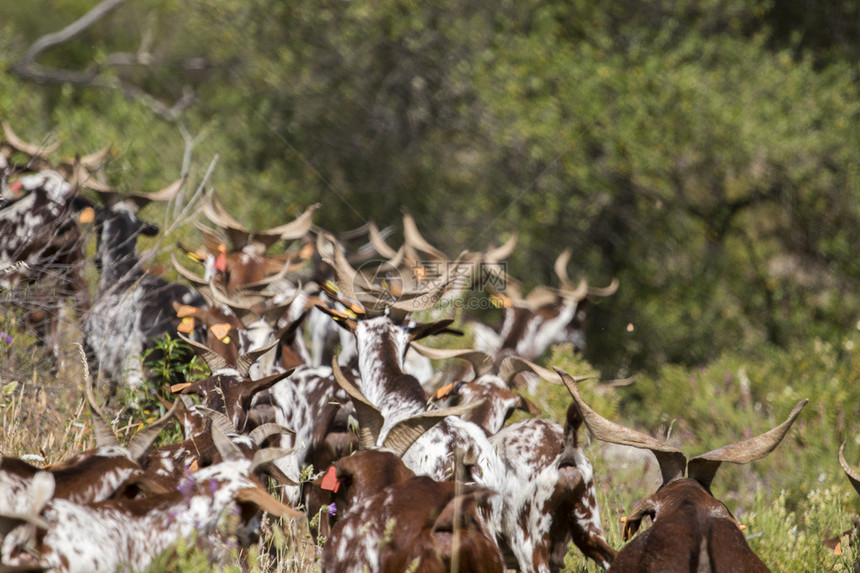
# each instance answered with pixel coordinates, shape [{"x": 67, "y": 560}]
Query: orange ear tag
[
  {"x": 443, "y": 391},
  {"x": 88, "y": 215},
  {"x": 15, "y": 187},
  {"x": 220, "y": 330},
  {"x": 193, "y": 467},
  {"x": 179, "y": 387},
  {"x": 184, "y": 310},
  {"x": 329, "y": 480},
  {"x": 186, "y": 326}
]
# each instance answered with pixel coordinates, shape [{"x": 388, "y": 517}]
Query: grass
[{"x": 790, "y": 501}]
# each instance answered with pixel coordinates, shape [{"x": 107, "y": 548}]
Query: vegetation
[{"x": 704, "y": 153}]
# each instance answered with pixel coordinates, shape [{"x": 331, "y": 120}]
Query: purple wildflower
[
  {"x": 332, "y": 509},
  {"x": 186, "y": 487},
  {"x": 5, "y": 337}
]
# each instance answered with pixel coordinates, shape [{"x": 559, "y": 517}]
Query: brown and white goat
[
  {"x": 691, "y": 530},
  {"x": 127, "y": 534},
  {"x": 245, "y": 264},
  {"x": 392, "y": 521},
  {"x": 41, "y": 247},
  {"x": 549, "y": 497}
]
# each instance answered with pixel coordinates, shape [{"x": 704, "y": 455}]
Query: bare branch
[{"x": 70, "y": 31}]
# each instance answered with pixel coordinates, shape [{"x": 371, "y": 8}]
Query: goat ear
[
  {"x": 527, "y": 405},
  {"x": 632, "y": 522},
  {"x": 148, "y": 229},
  {"x": 344, "y": 321}
]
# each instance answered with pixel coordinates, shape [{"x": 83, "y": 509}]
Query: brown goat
[
  {"x": 692, "y": 530},
  {"x": 395, "y": 522}
]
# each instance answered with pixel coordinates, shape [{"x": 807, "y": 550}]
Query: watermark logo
[{"x": 465, "y": 280}]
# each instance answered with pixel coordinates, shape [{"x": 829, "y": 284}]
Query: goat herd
[{"x": 317, "y": 384}]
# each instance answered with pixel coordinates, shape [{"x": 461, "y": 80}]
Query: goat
[
  {"x": 545, "y": 316},
  {"x": 127, "y": 534},
  {"x": 132, "y": 308},
  {"x": 245, "y": 263},
  {"x": 41, "y": 247},
  {"x": 393, "y": 521},
  {"x": 549, "y": 495},
  {"x": 691, "y": 530}
]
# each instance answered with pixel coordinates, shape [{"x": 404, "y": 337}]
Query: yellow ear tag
[
  {"x": 186, "y": 326},
  {"x": 500, "y": 301},
  {"x": 220, "y": 330},
  {"x": 88, "y": 215},
  {"x": 226, "y": 340},
  {"x": 185, "y": 310}
]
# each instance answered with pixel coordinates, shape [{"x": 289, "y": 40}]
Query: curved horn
[
  {"x": 220, "y": 429},
  {"x": 297, "y": 228},
  {"x": 185, "y": 273},
  {"x": 560, "y": 268},
  {"x": 480, "y": 361},
  {"x": 501, "y": 253},
  {"x": 217, "y": 214},
  {"x": 267, "y": 455},
  {"x": 212, "y": 359},
  {"x": 264, "y": 431},
  {"x": 604, "y": 291},
  {"x": 370, "y": 420},
  {"x": 413, "y": 237},
  {"x": 168, "y": 193},
  {"x": 267, "y": 503},
  {"x": 244, "y": 362},
  {"x": 853, "y": 476},
  {"x": 703, "y": 468},
  {"x": 513, "y": 365},
  {"x": 671, "y": 460},
  {"x": 405, "y": 432},
  {"x": 102, "y": 428},
  {"x": 141, "y": 441},
  {"x": 378, "y": 243},
  {"x": 31, "y": 149}
]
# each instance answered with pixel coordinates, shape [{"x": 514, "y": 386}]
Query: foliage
[{"x": 704, "y": 153}]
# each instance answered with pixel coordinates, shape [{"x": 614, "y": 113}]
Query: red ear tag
[
  {"x": 16, "y": 187},
  {"x": 329, "y": 480},
  {"x": 221, "y": 262}
]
